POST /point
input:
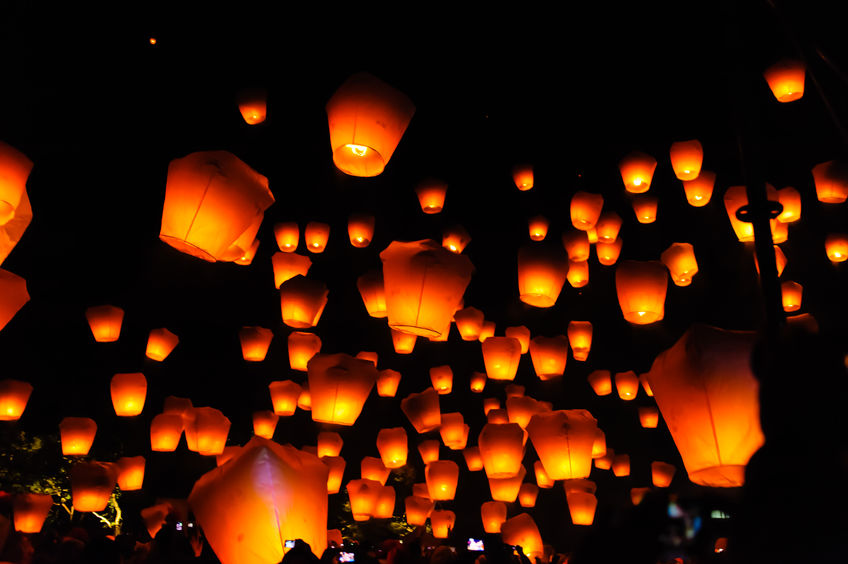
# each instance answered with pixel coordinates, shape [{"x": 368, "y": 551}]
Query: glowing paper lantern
[
  {"x": 14, "y": 395},
  {"x": 580, "y": 339},
  {"x": 128, "y": 393},
  {"x": 790, "y": 199},
  {"x": 367, "y": 119},
  {"x": 638, "y": 494},
  {"x": 502, "y": 449},
  {"x": 599, "y": 446},
  {"x": 582, "y": 506},
  {"x": 608, "y": 227},
  {"x": 373, "y": 469},
  {"x": 329, "y": 444},
  {"x": 786, "y": 79},
  {"x": 340, "y": 384},
  {"x": 92, "y": 484},
  {"x": 662, "y": 474},
  {"x": 403, "y": 343},
  {"x": 680, "y": 260},
  {"x": 498, "y": 416},
  {"x": 779, "y": 259},
  {"x": 29, "y": 511},
  {"x": 442, "y": 477},
  {"x": 836, "y": 247},
  {"x": 392, "y": 444},
  {"x": 734, "y": 198},
  {"x": 605, "y": 462},
  {"x": 284, "y": 394},
  {"x": 77, "y": 435},
  {"x": 486, "y": 331},
  {"x": 424, "y": 283},
  {"x": 538, "y": 227},
  {"x": 720, "y": 545},
  {"x": 501, "y": 356},
  {"x": 442, "y": 379},
  {"x": 287, "y": 236},
  {"x": 431, "y": 195},
  {"x": 627, "y": 384},
  {"x": 287, "y": 265},
  {"x": 649, "y": 417},
  {"x": 429, "y": 451},
  {"x": 455, "y": 239},
  {"x": 160, "y": 343},
  {"x": 388, "y": 381},
  {"x": 520, "y": 409},
  {"x": 370, "y": 356},
  {"x": 442, "y": 523},
  {"x": 302, "y": 347},
  {"x": 165, "y": 432},
  {"x": 302, "y": 302},
  {"x": 522, "y": 175},
  {"x": 578, "y": 274},
  {"x": 522, "y": 531},
  {"x": 130, "y": 473},
  {"x": 700, "y": 190},
  {"x": 385, "y": 506},
  {"x": 641, "y": 289},
  {"x": 563, "y": 440},
  {"x": 265, "y": 423},
  {"x": 304, "y": 400},
  {"x": 207, "y": 433},
  {"x": 473, "y": 459},
  {"x": 360, "y": 230},
  {"x": 527, "y": 495},
  {"x": 506, "y": 489},
  {"x": 831, "y": 179},
  {"x": 586, "y": 210},
  {"x": 247, "y": 257},
  {"x": 418, "y": 509},
  {"x": 469, "y": 322},
  {"x": 253, "y": 106},
  {"x": 791, "y": 293},
  {"x": 14, "y": 171},
  {"x": 12, "y": 231},
  {"x": 490, "y": 404},
  {"x": 271, "y": 492},
  {"x": 316, "y": 235},
  {"x": 645, "y": 208},
  {"x": 214, "y": 205},
  {"x": 601, "y": 382},
  {"x": 621, "y": 465},
  {"x": 478, "y": 382},
  {"x": 521, "y": 333},
  {"x": 373, "y": 294},
  {"x": 542, "y": 478},
  {"x": 541, "y": 273},
  {"x": 105, "y": 322},
  {"x": 176, "y": 405},
  {"x": 576, "y": 244},
  {"x": 708, "y": 396},
  {"x": 637, "y": 170},
  {"x": 643, "y": 379},
  {"x": 493, "y": 514},
  {"x": 454, "y": 431},
  {"x": 335, "y": 468},
  {"x": 608, "y": 253},
  {"x": 255, "y": 342},
  {"x": 686, "y": 159},
  {"x": 422, "y": 410},
  {"x": 549, "y": 355}
]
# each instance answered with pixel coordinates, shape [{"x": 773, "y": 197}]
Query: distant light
[
  {"x": 718, "y": 514},
  {"x": 152, "y": 41},
  {"x": 358, "y": 150}
]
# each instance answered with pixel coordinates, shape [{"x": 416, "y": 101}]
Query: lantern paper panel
[
  {"x": 493, "y": 514},
  {"x": 522, "y": 531},
  {"x": 284, "y": 396},
  {"x": 255, "y": 342},
  {"x": 563, "y": 440},
  {"x": 129, "y": 390},
  {"x": 393, "y": 446},
  {"x": 502, "y": 448},
  {"x": 92, "y": 484},
  {"x": 302, "y": 301},
  {"x": 339, "y": 384},
  {"x": 418, "y": 509},
  {"x": 371, "y": 468},
  {"x": 549, "y": 356},
  {"x": 442, "y": 522},
  {"x": 77, "y": 435},
  {"x": 15, "y": 210},
  {"x": 506, "y": 489},
  {"x": 287, "y": 265}
]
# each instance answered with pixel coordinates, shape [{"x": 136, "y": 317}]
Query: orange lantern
[
  {"x": 255, "y": 342},
  {"x": 302, "y": 302},
  {"x": 581, "y": 506},
  {"x": 429, "y": 451},
  {"x": 302, "y": 347},
  {"x": 645, "y": 208},
  {"x": 92, "y": 484},
  {"x": 490, "y": 404},
  {"x": 30, "y": 510},
  {"x": 340, "y": 384},
  {"x": 541, "y": 273},
  {"x": 442, "y": 379},
  {"x": 605, "y": 462},
  {"x": 176, "y": 405},
  {"x": 454, "y": 431},
  {"x": 469, "y": 322},
  {"x": 708, "y": 396},
  {"x": 502, "y": 449},
  {"x": 734, "y": 198},
  {"x": 792, "y": 293},
  {"x": 599, "y": 446},
  {"x": 160, "y": 343},
  {"x": 473, "y": 459},
  {"x": 14, "y": 172},
  {"x": 790, "y": 199},
  {"x": 649, "y": 417},
  {"x": 316, "y": 235},
  {"x": 14, "y": 396},
  {"x": 403, "y": 343},
  {"x": 578, "y": 274},
  {"x": 130, "y": 473},
  {"x": 165, "y": 432},
  {"x": 455, "y": 239},
  {"x": 105, "y": 322},
  {"x": 373, "y": 469},
  {"x": 265, "y": 423},
  {"x": 586, "y": 210},
  {"x": 422, "y": 410},
  {"x": 329, "y": 444},
  {"x": 563, "y": 440},
  {"x": 720, "y": 545},
  {"x": 493, "y": 514},
  {"x": 478, "y": 382},
  {"x": 786, "y": 79},
  {"x": 253, "y": 106},
  {"x": 579, "y": 485},
  {"x": 373, "y": 294},
  {"x": 601, "y": 382},
  {"x": 214, "y": 205},
  {"x": 592, "y": 236},
  {"x": 486, "y": 331},
  {"x": 360, "y": 230},
  {"x": 700, "y": 190},
  {"x": 576, "y": 244},
  {"x": 521, "y": 333},
  {"x": 284, "y": 394},
  {"x": 388, "y": 381},
  {"x": 831, "y": 179},
  {"x": 14, "y": 295},
  {"x": 580, "y": 338},
  {"x": 608, "y": 253},
  {"x": 538, "y": 227},
  {"x": 686, "y": 159},
  {"x": 442, "y": 522},
  {"x": 679, "y": 258},
  {"x": 392, "y": 444},
  {"x": 621, "y": 465},
  {"x": 287, "y": 236},
  {"x": 549, "y": 355},
  {"x": 641, "y": 288},
  {"x": 608, "y": 227},
  {"x": 442, "y": 477},
  {"x": 662, "y": 473},
  {"x": 498, "y": 416},
  {"x": 637, "y": 170},
  {"x": 638, "y": 494},
  {"x": 522, "y": 175},
  {"x": 385, "y": 506},
  {"x": 304, "y": 399},
  {"x": 627, "y": 384},
  {"x": 542, "y": 478},
  {"x": 431, "y": 195},
  {"x": 287, "y": 265},
  {"x": 336, "y": 467},
  {"x": 506, "y": 489},
  {"x": 643, "y": 379},
  {"x": 418, "y": 509},
  {"x": 367, "y": 119},
  {"x": 520, "y": 409},
  {"x": 370, "y": 356},
  {"x": 501, "y": 356},
  {"x": 527, "y": 495},
  {"x": 363, "y": 495},
  {"x": 779, "y": 259},
  {"x": 836, "y": 247},
  {"x": 128, "y": 393},
  {"x": 207, "y": 433},
  {"x": 424, "y": 283},
  {"x": 77, "y": 435},
  {"x": 522, "y": 531},
  {"x": 514, "y": 391}
]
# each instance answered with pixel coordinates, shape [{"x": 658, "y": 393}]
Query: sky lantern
[
  {"x": 160, "y": 343},
  {"x": 403, "y": 343},
  {"x": 790, "y": 199},
  {"x": 641, "y": 289},
  {"x": 637, "y": 170},
  {"x": 686, "y": 159},
  {"x": 424, "y": 283},
  {"x": 643, "y": 379},
  {"x": 252, "y": 105},
  {"x": 520, "y": 409},
  {"x": 549, "y": 355},
  {"x": 92, "y": 484},
  {"x": 497, "y": 416},
  {"x": 335, "y": 467},
  {"x": 177, "y": 405},
  {"x": 287, "y": 235},
  {"x": 393, "y": 446},
  {"x": 700, "y": 190},
  {"x": 304, "y": 400},
  {"x": 302, "y": 302},
  {"x": 367, "y": 118},
  {"x": 649, "y": 417},
  {"x": 578, "y": 274},
  {"x": 836, "y": 247},
  {"x": 284, "y": 394},
  {"x": 429, "y": 450},
  {"x": 315, "y": 236},
  {"x": 442, "y": 379},
  {"x": 527, "y": 494},
  {"x": 786, "y": 79},
  {"x": 454, "y": 431},
  {"x": 165, "y": 432},
  {"x": 363, "y": 497},
  {"x": 506, "y": 489},
  {"x": 708, "y": 396},
  {"x": 521, "y": 333},
  {"x": 605, "y": 462},
  {"x": 130, "y": 473},
  {"x": 129, "y": 391},
  {"x": 469, "y": 322},
  {"x": 14, "y": 172},
  {"x": 431, "y": 195},
  {"x": 601, "y": 382},
  {"x": 576, "y": 244},
  {"x": 501, "y": 356},
  {"x": 522, "y": 175},
  {"x": 791, "y": 293},
  {"x": 627, "y": 384},
  {"x": 477, "y": 382},
  {"x": 329, "y": 444},
  {"x": 493, "y": 514},
  {"x": 734, "y": 198},
  {"x": 542, "y": 478},
  {"x": 255, "y": 342},
  {"x": 831, "y": 180},
  {"x": 538, "y": 227},
  {"x": 247, "y": 257},
  {"x": 586, "y": 210},
  {"x": 513, "y": 390},
  {"x": 442, "y": 522},
  {"x": 12, "y": 231},
  {"x": 580, "y": 339},
  {"x": 210, "y": 427},
  {"x": 418, "y": 509},
  {"x": 472, "y": 458},
  {"x": 582, "y": 506},
  {"x": 455, "y": 238},
  {"x": 720, "y": 545},
  {"x": 442, "y": 477},
  {"x": 638, "y": 494},
  {"x": 77, "y": 435},
  {"x": 105, "y": 322},
  {"x": 370, "y": 356},
  {"x": 14, "y": 396},
  {"x": 608, "y": 253},
  {"x": 30, "y": 510},
  {"x": 340, "y": 384},
  {"x": 608, "y": 227},
  {"x": 645, "y": 208},
  {"x": 373, "y": 293},
  {"x": 662, "y": 473},
  {"x": 522, "y": 531},
  {"x": 680, "y": 260},
  {"x": 373, "y": 469},
  {"x": 214, "y": 205},
  {"x": 385, "y": 506},
  {"x": 779, "y": 259},
  {"x": 599, "y": 446},
  {"x": 422, "y": 410},
  {"x": 288, "y": 265},
  {"x": 541, "y": 274},
  {"x": 621, "y": 465},
  {"x": 563, "y": 440},
  {"x": 302, "y": 347},
  {"x": 265, "y": 423},
  {"x": 502, "y": 448},
  {"x": 360, "y": 229},
  {"x": 486, "y": 330},
  {"x": 388, "y": 381}
]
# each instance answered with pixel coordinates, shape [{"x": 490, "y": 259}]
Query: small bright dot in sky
[{"x": 153, "y": 41}]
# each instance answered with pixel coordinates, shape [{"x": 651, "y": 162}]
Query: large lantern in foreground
[
  {"x": 786, "y": 79},
  {"x": 563, "y": 440},
  {"x": 542, "y": 271},
  {"x": 14, "y": 395},
  {"x": 340, "y": 384},
  {"x": 708, "y": 396},
  {"x": 641, "y": 289},
  {"x": 367, "y": 119},
  {"x": 522, "y": 531},
  {"x": 29, "y": 511},
  {"x": 424, "y": 284},
  {"x": 255, "y": 342},
  {"x": 160, "y": 343},
  {"x": 129, "y": 391},
  {"x": 92, "y": 484},
  {"x": 105, "y": 322}
]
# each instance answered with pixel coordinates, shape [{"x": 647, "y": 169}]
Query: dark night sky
[{"x": 101, "y": 112}]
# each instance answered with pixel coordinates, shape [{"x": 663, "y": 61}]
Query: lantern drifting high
[
  {"x": 455, "y": 239},
  {"x": 442, "y": 477},
  {"x": 373, "y": 293},
  {"x": 585, "y": 210},
  {"x": 329, "y": 444},
  {"x": 680, "y": 260},
  {"x": 608, "y": 227},
  {"x": 105, "y": 322},
  {"x": 580, "y": 339},
  {"x": 563, "y": 440},
  {"x": 454, "y": 431},
  {"x": 645, "y": 208},
  {"x": 638, "y": 494},
  {"x": 304, "y": 400},
  {"x": 288, "y": 265},
  {"x": 388, "y": 381},
  {"x": 287, "y": 235},
  {"x": 15, "y": 210},
  {"x": 637, "y": 170},
  {"x": 576, "y": 244},
  {"x": 541, "y": 274},
  {"x": 708, "y": 396},
  {"x": 831, "y": 179},
  {"x": 582, "y": 506},
  {"x": 791, "y": 295},
  {"x": 686, "y": 159},
  {"x": 662, "y": 473},
  {"x": 129, "y": 391},
  {"x": 542, "y": 478},
  {"x": 442, "y": 523},
  {"x": 501, "y": 356},
  {"x": 641, "y": 289},
  {"x": 130, "y": 473},
  {"x": 522, "y": 531},
  {"x": 77, "y": 435},
  {"x": 253, "y": 106},
  {"x": 538, "y": 227},
  {"x": 429, "y": 450},
  {"x": 160, "y": 343},
  {"x": 649, "y": 417},
  {"x": 601, "y": 382},
  {"x": 373, "y": 469},
  {"x": 335, "y": 467},
  {"x": 621, "y": 465},
  {"x": 29, "y": 511},
  {"x": 734, "y": 198},
  {"x": 207, "y": 433},
  {"x": 477, "y": 382},
  {"x": 431, "y": 195},
  {"x": 214, "y": 205},
  {"x": 527, "y": 494},
  {"x": 393, "y": 446},
  {"x": 473, "y": 459},
  {"x": 700, "y": 190},
  {"x": 578, "y": 274},
  {"x": 627, "y": 384},
  {"x": 608, "y": 253},
  {"x": 520, "y": 409},
  {"x": 92, "y": 484},
  {"x": 506, "y": 489},
  {"x": 469, "y": 322},
  {"x": 14, "y": 396},
  {"x": 599, "y": 446},
  {"x": 363, "y": 497},
  {"x": 790, "y": 199},
  {"x": 165, "y": 432},
  {"x": 424, "y": 284},
  {"x": 403, "y": 343},
  {"x": 836, "y": 247},
  {"x": 502, "y": 449},
  {"x": 442, "y": 379},
  {"x": 255, "y": 342},
  {"x": 360, "y": 230},
  {"x": 493, "y": 514},
  {"x": 385, "y": 506},
  {"x": 302, "y": 302},
  {"x": 315, "y": 235},
  {"x": 418, "y": 509},
  {"x": 486, "y": 331},
  {"x": 340, "y": 384},
  {"x": 302, "y": 347},
  {"x": 284, "y": 394},
  {"x": 522, "y": 175},
  {"x": 786, "y": 79},
  {"x": 549, "y": 355},
  {"x": 370, "y": 356},
  {"x": 422, "y": 410},
  {"x": 265, "y": 423}
]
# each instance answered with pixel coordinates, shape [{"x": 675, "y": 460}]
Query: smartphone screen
[
  {"x": 346, "y": 557},
  {"x": 289, "y": 544},
  {"x": 475, "y": 544}
]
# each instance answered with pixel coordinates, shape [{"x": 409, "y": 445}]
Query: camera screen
[{"x": 475, "y": 544}]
